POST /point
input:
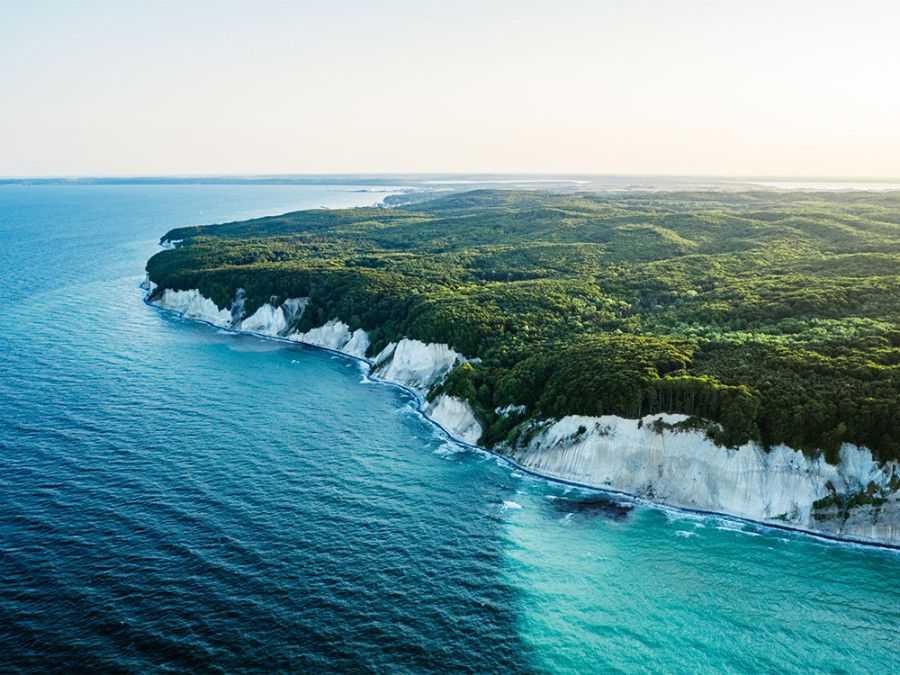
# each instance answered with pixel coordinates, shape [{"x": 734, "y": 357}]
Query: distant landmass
[{"x": 459, "y": 182}]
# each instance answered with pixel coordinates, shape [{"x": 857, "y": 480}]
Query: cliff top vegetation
[{"x": 775, "y": 314}]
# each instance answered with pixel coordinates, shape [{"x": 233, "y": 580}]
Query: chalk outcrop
[
  {"x": 336, "y": 335},
  {"x": 192, "y": 305},
  {"x": 456, "y": 416},
  {"x": 267, "y": 320},
  {"x": 416, "y": 364},
  {"x": 685, "y": 468},
  {"x": 148, "y": 285}
]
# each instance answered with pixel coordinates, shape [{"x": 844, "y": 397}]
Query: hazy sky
[{"x": 753, "y": 87}]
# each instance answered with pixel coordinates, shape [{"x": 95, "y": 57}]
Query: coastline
[{"x": 421, "y": 404}]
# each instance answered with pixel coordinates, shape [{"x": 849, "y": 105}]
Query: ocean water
[{"x": 176, "y": 498}]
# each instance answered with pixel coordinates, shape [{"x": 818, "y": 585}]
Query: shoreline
[{"x": 509, "y": 461}]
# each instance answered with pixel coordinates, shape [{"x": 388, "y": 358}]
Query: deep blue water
[{"x": 177, "y": 498}]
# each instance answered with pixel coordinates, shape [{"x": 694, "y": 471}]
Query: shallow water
[{"x": 178, "y": 498}]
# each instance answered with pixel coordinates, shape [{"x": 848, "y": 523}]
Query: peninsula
[{"x": 734, "y": 352}]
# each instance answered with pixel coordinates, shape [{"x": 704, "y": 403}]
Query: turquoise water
[{"x": 176, "y": 498}]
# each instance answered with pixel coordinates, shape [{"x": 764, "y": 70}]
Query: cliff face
[
  {"x": 335, "y": 335},
  {"x": 456, "y": 416},
  {"x": 650, "y": 458},
  {"x": 192, "y": 305},
  {"x": 416, "y": 364},
  {"x": 410, "y": 363},
  {"x": 857, "y": 498}
]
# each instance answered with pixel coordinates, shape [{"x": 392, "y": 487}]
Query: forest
[{"x": 768, "y": 316}]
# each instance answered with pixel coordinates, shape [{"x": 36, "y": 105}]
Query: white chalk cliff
[
  {"x": 858, "y": 498},
  {"x": 192, "y": 305},
  {"x": 336, "y": 335},
  {"x": 410, "y": 363},
  {"x": 456, "y": 416},
  {"x": 418, "y": 365},
  {"x": 685, "y": 468},
  {"x": 267, "y": 320}
]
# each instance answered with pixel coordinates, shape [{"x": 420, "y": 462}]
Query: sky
[{"x": 681, "y": 87}]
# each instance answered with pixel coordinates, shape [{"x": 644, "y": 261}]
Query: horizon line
[{"x": 561, "y": 176}]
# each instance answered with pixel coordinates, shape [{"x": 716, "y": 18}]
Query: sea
[{"x": 178, "y": 498}]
